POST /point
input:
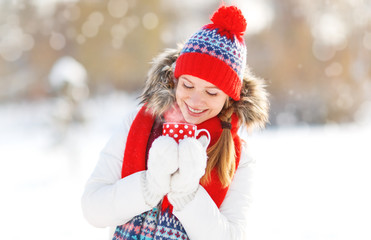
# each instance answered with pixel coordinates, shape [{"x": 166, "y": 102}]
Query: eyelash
[
  {"x": 189, "y": 87},
  {"x": 210, "y": 94}
]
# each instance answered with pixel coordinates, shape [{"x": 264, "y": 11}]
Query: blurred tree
[
  {"x": 314, "y": 54},
  {"x": 119, "y": 53}
]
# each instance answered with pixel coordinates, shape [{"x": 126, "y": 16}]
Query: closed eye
[
  {"x": 187, "y": 86},
  {"x": 212, "y": 93}
]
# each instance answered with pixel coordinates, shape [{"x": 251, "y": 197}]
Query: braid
[
  {"x": 227, "y": 111},
  {"x": 222, "y": 153}
]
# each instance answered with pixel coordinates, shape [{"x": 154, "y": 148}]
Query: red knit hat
[{"x": 217, "y": 52}]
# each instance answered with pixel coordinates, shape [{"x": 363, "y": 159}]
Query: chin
[
  {"x": 189, "y": 119},
  {"x": 194, "y": 120}
]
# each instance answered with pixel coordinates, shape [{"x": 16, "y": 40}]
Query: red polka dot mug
[{"x": 180, "y": 131}]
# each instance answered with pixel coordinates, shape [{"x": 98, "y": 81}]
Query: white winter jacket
[{"x": 109, "y": 200}]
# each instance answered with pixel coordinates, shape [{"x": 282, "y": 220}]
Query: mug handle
[{"x": 207, "y": 133}]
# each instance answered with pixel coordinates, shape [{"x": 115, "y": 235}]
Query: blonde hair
[{"x": 222, "y": 154}]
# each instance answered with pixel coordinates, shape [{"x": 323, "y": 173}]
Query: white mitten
[
  {"x": 162, "y": 162},
  {"x": 192, "y": 164}
]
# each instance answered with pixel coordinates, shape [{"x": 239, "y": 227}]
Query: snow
[
  {"x": 67, "y": 70},
  {"x": 310, "y": 183}
]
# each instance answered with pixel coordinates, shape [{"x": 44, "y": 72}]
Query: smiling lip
[{"x": 193, "y": 111}]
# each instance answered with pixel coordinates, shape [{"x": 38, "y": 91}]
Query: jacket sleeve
[
  {"x": 202, "y": 219},
  {"x": 109, "y": 200}
]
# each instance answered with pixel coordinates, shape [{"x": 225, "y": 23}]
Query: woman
[{"x": 151, "y": 187}]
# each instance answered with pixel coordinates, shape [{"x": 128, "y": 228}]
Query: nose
[{"x": 196, "y": 98}]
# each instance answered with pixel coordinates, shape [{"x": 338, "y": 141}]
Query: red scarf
[{"x": 138, "y": 139}]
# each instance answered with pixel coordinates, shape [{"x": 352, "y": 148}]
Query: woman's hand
[
  {"x": 162, "y": 163},
  {"x": 192, "y": 164}
]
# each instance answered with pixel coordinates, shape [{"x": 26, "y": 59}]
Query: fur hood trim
[{"x": 159, "y": 92}]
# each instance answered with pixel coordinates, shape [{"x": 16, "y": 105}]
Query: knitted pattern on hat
[{"x": 217, "y": 52}]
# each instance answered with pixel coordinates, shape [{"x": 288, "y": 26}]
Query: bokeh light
[{"x": 71, "y": 69}]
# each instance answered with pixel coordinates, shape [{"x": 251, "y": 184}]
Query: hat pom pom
[{"x": 230, "y": 19}]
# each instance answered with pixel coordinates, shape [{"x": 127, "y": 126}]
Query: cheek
[
  {"x": 217, "y": 105},
  {"x": 180, "y": 94},
  {"x": 177, "y": 94}
]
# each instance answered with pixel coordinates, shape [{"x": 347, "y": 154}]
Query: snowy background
[
  {"x": 311, "y": 182},
  {"x": 70, "y": 70}
]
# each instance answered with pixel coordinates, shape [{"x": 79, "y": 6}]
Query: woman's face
[{"x": 198, "y": 99}]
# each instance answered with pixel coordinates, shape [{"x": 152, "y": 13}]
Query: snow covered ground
[{"x": 311, "y": 182}]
